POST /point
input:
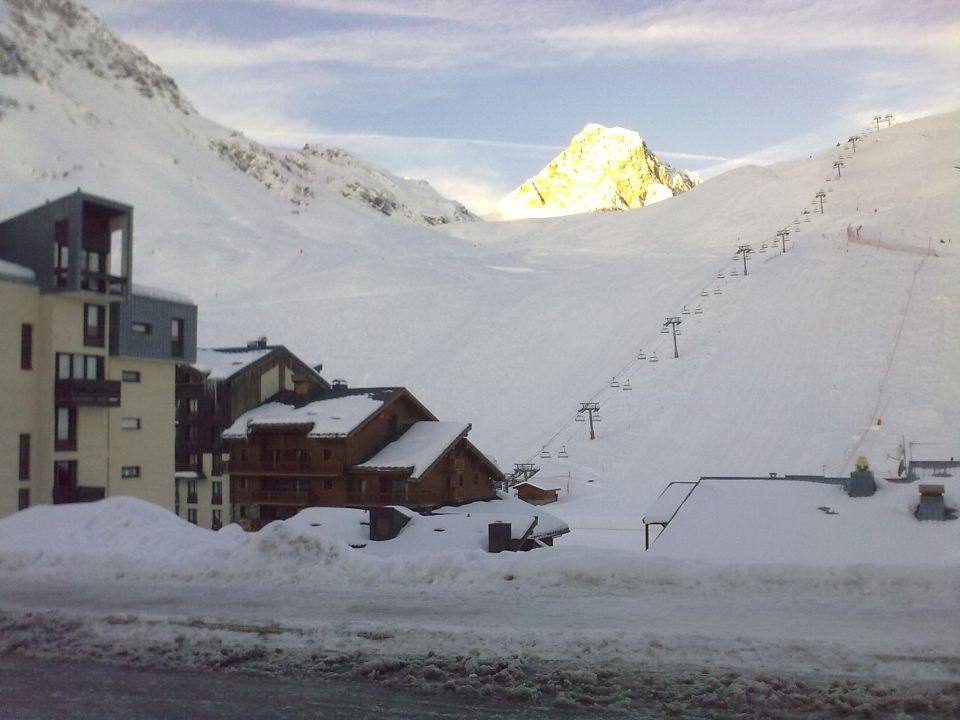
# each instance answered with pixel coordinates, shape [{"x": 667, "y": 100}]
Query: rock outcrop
[{"x": 602, "y": 169}]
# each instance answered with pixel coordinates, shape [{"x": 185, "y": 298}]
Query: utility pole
[
  {"x": 838, "y": 164},
  {"x": 853, "y": 139},
  {"x": 744, "y": 250},
  {"x": 820, "y": 196},
  {"x": 674, "y": 323},
  {"x": 783, "y": 235},
  {"x": 590, "y": 408}
]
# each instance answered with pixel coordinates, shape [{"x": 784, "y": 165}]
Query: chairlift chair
[
  {"x": 580, "y": 418},
  {"x": 720, "y": 275},
  {"x": 762, "y": 249},
  {"x": 544, "y": 453},
  {"x": 596, "y": 417},
  {"x": 653, "y": 357},
  {"x": 614, "y": 383},
  {"x": 641, "y": 355},
  {"x": 663, "y": 330},
  {"x": 703, "y": 293},
  {"x": 627, "y": 386},
  {"x": 685, "y": 310},
  {"x": 735, "y": 273},
  {"x": 698, "y": 310},
  {"x": 563, "y": 452},
  {"x": 717, "y": 291}
]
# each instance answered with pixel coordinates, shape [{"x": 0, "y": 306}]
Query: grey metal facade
[
  {"x": 157, "y": 316},
  {"x": 85, "y": 220}
]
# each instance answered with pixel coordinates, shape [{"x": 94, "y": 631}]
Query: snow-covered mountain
[
  {"x": 512, "y": 325},
  {"x": 77, "y": 71},
  {"x": 602, "y": 169}
]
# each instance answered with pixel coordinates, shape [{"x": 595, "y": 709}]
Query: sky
[{"x": 477, "y": 96}]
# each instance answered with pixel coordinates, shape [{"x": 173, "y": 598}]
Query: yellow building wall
[
  {"x": 151, "y": 447},
  {"x": 19, "y": 304}
]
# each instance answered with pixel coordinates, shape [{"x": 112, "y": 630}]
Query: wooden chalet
[{"x": 360, "y": 447}]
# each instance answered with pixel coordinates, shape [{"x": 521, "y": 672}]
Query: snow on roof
[
  {"x": 545, "y": 484},
  {"x": 221, "y": 364},
  {"x": 18, "y": 272},
  {"x": 160, "y": 294},
  {"x": 336, "y": 417},
  {"x": 665, "y": 507},
  {"x": 418, "y": 448},
  {"x": 512, "y": 510},
  {"x": 806, "y": 523}
]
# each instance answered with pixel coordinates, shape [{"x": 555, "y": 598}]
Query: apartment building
[
  {"x": 212, "y": 392},
  {"x": 87, "y": 359}
]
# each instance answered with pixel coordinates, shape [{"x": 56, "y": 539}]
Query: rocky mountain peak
[
  {"x": 602, "y": 169},
  {"x": 44, "y": 39}
]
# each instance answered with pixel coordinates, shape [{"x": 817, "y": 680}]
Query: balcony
[
  {"x": 63, "y": 496},
  {"x": 92, "y": 281},
  {"x": 88, "y": 393},
  {"x": 191, "y": 498},
  {"x": 272, "y": 497}
]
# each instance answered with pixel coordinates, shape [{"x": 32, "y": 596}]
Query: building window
[
  {"x": 65, "y": 474},
  {"x": 130, "y": 423},
  {"x": 328, "y": 484},
  {"x": 193, "y": 405},
  {"x": 192, "y": 492},
  {"x": 93, "y": 323},
  {"x": 130, "y": 471},
  {"x": 216, "y": 492},
  {"x": 79, "y": 367},
  {"x": 65, "y": 431},
  {"x": 217, "y": 520},
  {"x": 141, "y": 327},
  {"x": 242, "y": 512},
  {"x": 301, "y": 455},
  {"x": 191, "y": 433},
  {"x": 130, "y": 376},
  {"x": 26, "y": 346},
  {"x": 193, "y": 460},
  {"x": 216, "y": 464},
  {"x": 176, "y": 337},
  {"x": 327, "y": 454},
  {"x": 24, "y": 465},
  {"x": 23, "y": 499},
  {"x": 192, "y": 515}
]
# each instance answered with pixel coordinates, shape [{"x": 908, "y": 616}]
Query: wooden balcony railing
[{"x": 92, "y": 393}]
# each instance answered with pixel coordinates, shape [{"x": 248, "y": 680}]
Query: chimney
[
  {"x": 931, "y": 505},
  {"x": 259, "y": 344},
  {"x": 339, "y": 384}
]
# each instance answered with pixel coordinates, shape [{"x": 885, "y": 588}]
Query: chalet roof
[
  {"x": 332, "y": 417},
  {"x": 224, "y": 363},
  {"x": 418, "y": 449}
]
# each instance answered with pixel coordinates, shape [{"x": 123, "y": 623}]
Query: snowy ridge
[{"x": 61, "y": 63}]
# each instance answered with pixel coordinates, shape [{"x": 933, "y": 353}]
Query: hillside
[{"x": 511, "y": 326}]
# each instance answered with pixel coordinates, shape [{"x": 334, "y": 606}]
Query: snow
[
  {"x": 219, "y": 365},
  {"x": 668, "y": 503},
  {"x": 160, "y": 294},
  {"x": 332, "y": 418},
  {"x": 505, "y": 507},
  {"x": 544, "y": 485},
  {"x": 418, "y": 448},
  {"x": 511, "y": 326},
  {"x": 15, "y": 271}
]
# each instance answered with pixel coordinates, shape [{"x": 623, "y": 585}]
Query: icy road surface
[{"x": 664, "y": 648}]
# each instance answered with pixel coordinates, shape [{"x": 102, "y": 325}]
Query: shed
[{"x": 538, "y": 492}]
